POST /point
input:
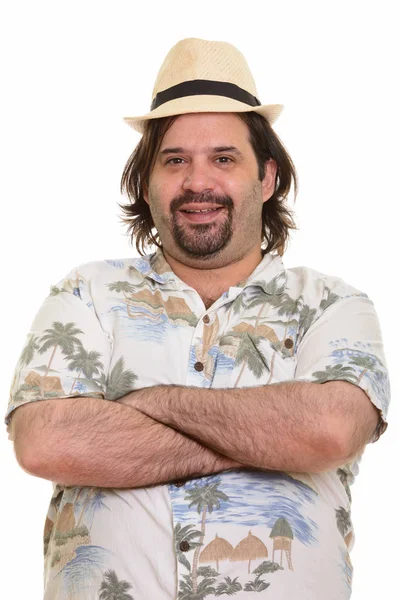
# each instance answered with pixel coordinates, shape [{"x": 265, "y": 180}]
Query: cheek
[
  {"x": 249, "y": 200},
  {"x": 159, "y": 206}
]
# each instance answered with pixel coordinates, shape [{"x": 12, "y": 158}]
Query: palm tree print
[
  {"x": 249, "y": 354},
  {"x": 366, "y": 362},
  {"x": 343, "y": 474},
  {"x": 306, "y": 319},
  {"x": 59, "y": 336},
  {"x": 127, "y": 289},
  {"x": 260, "y": 293},
  {"x": 85, "y": 362},
  {"x": 330, "y": 299},
  {"x": 122, "y": 286},
  {"x": 207, "y": 572},
  {"x": 112, "y": 588},
  {"x": 204, "y": 497},
  {"x": 185, "y": 534},
  {"x": 55, "y": 290},
  {"x": 26, "y": 357},
  {"x": 263, "y": 295},
  {"x": 258, "y": 585},
  {"x": 288, "y": 307},
  {"x": 29, "y": 351},
  {"x": 269, "y": 293},
  {"x": 267, "y": 567},
  {"x": 93, "y": 501},
  {"x": 203, "y": 589},
  {"x": 230, "y": 587},
  {"x": 333, "y": 372},
  {"x": 119, "y": 382},
  {"x": 343, "y": 520}
]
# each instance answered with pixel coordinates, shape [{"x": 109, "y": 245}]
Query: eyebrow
[
  {"x": 171, "y": 151},
  {"x": 217, "y": 150}
]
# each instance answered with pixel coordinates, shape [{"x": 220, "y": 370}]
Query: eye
[
  {"x": 174, "y": 161},
  {"x": 224, "y": 160}
]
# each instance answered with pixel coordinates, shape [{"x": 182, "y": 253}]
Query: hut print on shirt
[{"x": 268, "y": 524}]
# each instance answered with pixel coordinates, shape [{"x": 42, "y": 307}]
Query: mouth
[{"x": 201, "y": 215}]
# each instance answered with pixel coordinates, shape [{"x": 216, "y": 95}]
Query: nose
[{"x": 198, "y": 178}]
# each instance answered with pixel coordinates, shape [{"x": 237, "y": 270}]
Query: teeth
[{"x": 206, "y": 210}]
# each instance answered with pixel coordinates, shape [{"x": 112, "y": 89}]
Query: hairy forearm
[
  {"x": 94, "y": 442},
  {"x": 293, "y": 426}
]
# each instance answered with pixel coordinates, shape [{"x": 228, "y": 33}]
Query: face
[{"x": 204, "y": 193}]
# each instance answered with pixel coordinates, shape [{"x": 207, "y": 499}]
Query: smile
[
  {"x": 205, "y": 210},
  {"x": 202, "y": 215}
]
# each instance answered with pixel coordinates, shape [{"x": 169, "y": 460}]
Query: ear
[{"x": 268, "y": 183}]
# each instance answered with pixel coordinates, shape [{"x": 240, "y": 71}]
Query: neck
[{"x": 211, "y": 283}]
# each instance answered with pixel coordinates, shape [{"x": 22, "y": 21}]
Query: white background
[{"x": 71, "y": 70}]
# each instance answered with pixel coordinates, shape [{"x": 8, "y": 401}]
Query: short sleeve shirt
[{"x": 115, "y": 326}]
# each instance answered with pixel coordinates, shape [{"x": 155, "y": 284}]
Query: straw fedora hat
[{"x": 204, "y": 76}]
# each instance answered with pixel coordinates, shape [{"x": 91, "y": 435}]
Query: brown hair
[{"x": 277, "y": 218}]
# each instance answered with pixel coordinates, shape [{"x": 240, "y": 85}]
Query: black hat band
[{"x": 204, "y": 87}]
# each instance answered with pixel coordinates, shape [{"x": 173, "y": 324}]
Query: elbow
[
  {"x": 35, "y": 449},
  {"x": 339, "y": 447},
  {"x": 350, "y": 425},
  {"x": 32, "y": 461}
]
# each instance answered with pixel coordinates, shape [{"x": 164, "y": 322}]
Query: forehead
[{"x": 207, "y": 129}]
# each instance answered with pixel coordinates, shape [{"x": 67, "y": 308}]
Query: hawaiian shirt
[{"x": 115, "y": 326}]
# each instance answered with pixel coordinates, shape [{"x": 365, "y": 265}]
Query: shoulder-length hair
[{"x": 277, "y": 217}]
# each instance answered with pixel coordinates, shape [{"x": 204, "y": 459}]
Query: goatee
[{"x": 202, "y": 240}]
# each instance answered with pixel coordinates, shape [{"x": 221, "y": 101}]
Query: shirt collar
[
  {"x": 154, "y": 266},
  {"x": 269, "y": 274}
]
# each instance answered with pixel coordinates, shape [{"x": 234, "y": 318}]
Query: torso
[{"x": 284, "y": 535}]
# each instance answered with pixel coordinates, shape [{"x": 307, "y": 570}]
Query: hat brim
[{"x": 199, "y": 104}]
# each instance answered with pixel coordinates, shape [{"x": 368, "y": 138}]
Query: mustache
[{"x": 190, "y": 197}]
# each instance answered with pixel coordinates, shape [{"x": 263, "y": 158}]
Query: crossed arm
[
  {"x": 160, "y": 434},
  {"x": 293, "y": 426}
]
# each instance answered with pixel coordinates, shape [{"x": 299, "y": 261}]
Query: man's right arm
[{"x": 94, "y": 442}]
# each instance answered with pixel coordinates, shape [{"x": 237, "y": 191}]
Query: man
[{"x": 202, "y": 409}]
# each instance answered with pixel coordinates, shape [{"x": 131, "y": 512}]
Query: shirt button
[
  {"x": 199, "y": 366},
  {"x": 179, "y": 484},
  {"x": 184, "y": 546},
  {"x": 288, "y": 343},
  {"x": 206, "y": 319}
]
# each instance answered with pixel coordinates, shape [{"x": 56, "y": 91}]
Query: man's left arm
[
  {"x": 336, "y": 403},
  {"x": 293, "y": 426}
]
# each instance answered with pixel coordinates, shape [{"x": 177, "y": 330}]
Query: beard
[{"x": 202, "y": 240}]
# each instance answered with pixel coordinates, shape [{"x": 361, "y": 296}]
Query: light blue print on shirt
[
  {"x": 346, "y": 567},
  {"x": 80, "y": 387},
  {"x": 220, "y": 362},
  {"x": 143, "y": 265},
  {"x": 197, "y": 377},
  {"x": 145, "y": 327},
  {"x": 119, "y": 264},
  {"x": 223, "y": 363},
  {"x": 366, "y": 365},
  {"x": 255, "y": 499},
  {"x": 85, "y": 570}
]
